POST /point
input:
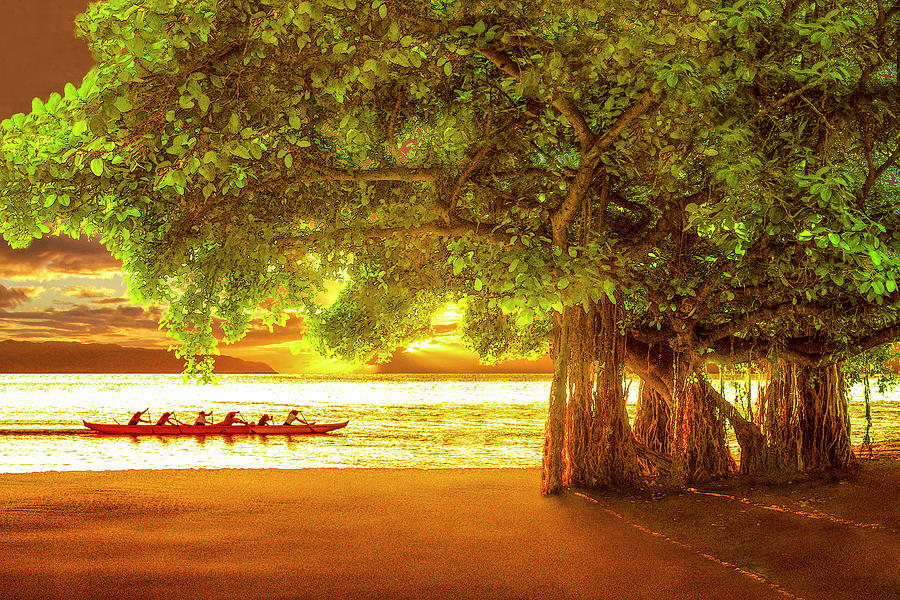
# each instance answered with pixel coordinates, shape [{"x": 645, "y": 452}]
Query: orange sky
[{"x": 62, "y": 289}]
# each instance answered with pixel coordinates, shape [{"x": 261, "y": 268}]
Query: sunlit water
[{"x": 395, "y": 421}]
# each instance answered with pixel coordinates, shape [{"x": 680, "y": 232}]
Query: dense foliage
[{"x": 721, "y": 171}]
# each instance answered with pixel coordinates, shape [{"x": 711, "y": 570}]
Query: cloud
[
  {"x": 11, "y": 297},
  {"x": 57, "y": 257},
  {"x": 90, "y": 291},
  {"x": 132, "y": 325},
  {"x": 102, "y": 301}
]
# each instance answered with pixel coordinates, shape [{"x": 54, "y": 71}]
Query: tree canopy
[{"x": 719, "y": 170}]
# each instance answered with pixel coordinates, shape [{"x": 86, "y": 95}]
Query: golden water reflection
[{"x": 395, "y": 421}]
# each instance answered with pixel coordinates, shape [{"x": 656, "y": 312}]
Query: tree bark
[
  {"x": 651, "y": 423},
  {"x": 700, "y": 451},
  {"x": 652, "y": 428},
  {"x": 552, "y": 479},
  {"x": 803, "y": 414},
  {"x": 655, "y": 364},
  {"x": 587, "y": 403},
  {"x": 617, "y": 455}
]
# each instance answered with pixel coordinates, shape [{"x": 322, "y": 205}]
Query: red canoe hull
[{"x": 115, "y": 429}]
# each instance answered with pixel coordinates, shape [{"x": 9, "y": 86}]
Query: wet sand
[{"x": 355, "y": 533}]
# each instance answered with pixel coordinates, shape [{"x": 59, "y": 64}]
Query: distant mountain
[{"x": 74, "y": 357}]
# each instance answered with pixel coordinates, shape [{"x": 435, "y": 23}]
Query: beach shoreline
[{"x": 455, "y": 533}]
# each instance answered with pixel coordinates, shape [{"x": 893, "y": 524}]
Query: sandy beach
[{"x": 368, "y": 533}]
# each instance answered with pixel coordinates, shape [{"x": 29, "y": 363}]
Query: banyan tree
[{"x": 632, "y": 185}]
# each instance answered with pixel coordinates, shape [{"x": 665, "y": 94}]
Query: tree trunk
[
  {"x": 651, "y": 426},
  {"x": 803, "y": 414},
  {"x": 552, "y": 480},
  {"x": 587, "y": 402},
  {"x": 756, "y": 456},
  {"x": 617, "y": 457},
  {"x": 655, "y": 364},
  {"x": 700, "y": 449}
]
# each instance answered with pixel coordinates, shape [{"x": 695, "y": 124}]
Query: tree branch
[
  {"x": 564, "y": 104},
  {"x": 630, "y": 114},
  {"x": 758, "y": 316},
  {"x": 390, "y": 174},
  {"x": 777, "y": 104},
  {"x": 882, "y": 336},
  {"x": 473, "y": 164}
]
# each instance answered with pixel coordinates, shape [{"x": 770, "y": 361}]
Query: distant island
[{"x": 75, "y": 357}]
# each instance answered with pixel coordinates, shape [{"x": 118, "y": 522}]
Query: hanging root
[
  {"x": 698, "y": 431},
  {"x": 652, "y": 432},
  {"x": 803, "y": 414}
]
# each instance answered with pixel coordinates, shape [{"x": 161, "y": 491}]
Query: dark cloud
[
  {"x": 103, "y": 301},
  {"x": 10, "y": 297},
  {"x": 259, "y": 334},
  {"x": 52, "y": 257},
  {"x": 82, "y": 323}
]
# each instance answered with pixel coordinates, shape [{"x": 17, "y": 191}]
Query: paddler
[
  {"x": 231, "y": 418},
  {"x": 264, "y": 420},
  {"x": 138, "y": 417},
  {"x": 292, "y": 416},
  {"x": 167, "y": 418},
  {"x": 201, "y": 418}
]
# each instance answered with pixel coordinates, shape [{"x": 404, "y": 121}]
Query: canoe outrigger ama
[{"x": 300, "y": 429}]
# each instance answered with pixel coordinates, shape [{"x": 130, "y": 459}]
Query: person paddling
[
  {"x": 168, "y": 418},
  {"x": 201, "y": 418},
  {"x": 292, "y": 416},
  {"x": 231, "y": 418},
  {"x": 138, "y": 417},
  {"x": 264, "y": 420}
]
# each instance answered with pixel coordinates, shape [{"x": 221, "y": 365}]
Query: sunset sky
[{"x": 61, "y": 289}]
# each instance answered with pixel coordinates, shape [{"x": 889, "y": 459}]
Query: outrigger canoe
[{"x": 311, "y": 428}]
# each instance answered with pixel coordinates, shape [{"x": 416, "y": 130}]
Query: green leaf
[
  {"x": 288, "y": 161},
  {"x": 478, "y": 285},
  {"x": 97, "y": 166},
  {"x": 876, "y": 257},
  {"x": 525, "y": 317},
  {"x": 563, "y": 283},
  {"x": 609, "y": 287},
  {"x": 448, "y": 69},
  {"x": 240, "y": 151},
  {"x": 382, "y": 11},
  {"x": 122, "y": 104},
  {"x": 835, "y": 239}
]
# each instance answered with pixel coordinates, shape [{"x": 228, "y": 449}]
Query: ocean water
[{"x": 396, "y": 421}]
